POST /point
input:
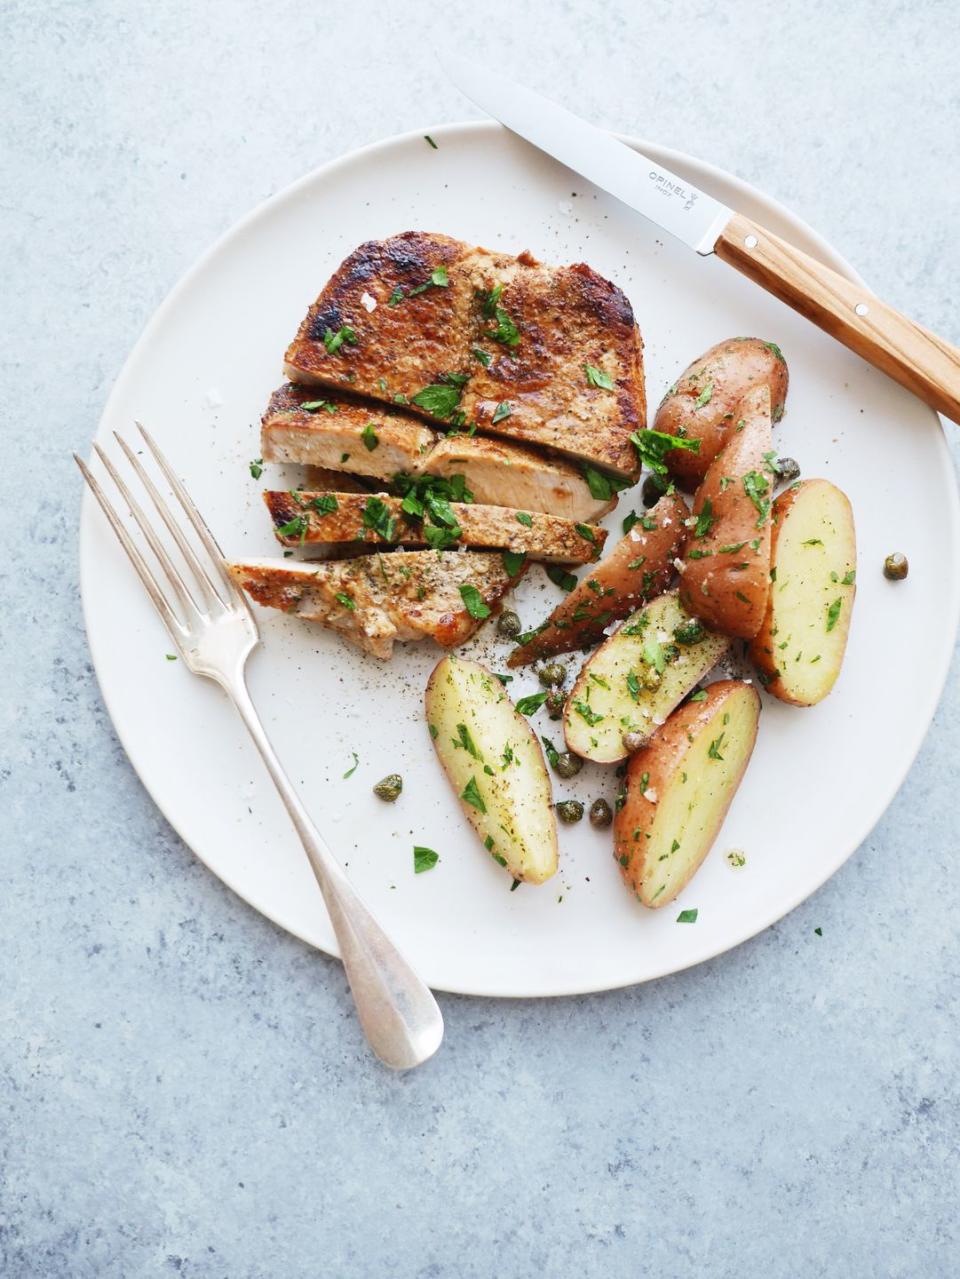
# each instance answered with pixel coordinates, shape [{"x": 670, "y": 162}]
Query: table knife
[{"x": 909, "y": 353}]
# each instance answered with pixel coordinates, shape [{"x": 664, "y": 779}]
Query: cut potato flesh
[
  {"x": 800, "y": 647},
  {"x": 636, "y": 678},
  {"x": 496, "y": 767},
  {"x": 679, "y": 788}
]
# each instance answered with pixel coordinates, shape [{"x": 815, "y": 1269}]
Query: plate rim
[{"x": 671, "y": 157}]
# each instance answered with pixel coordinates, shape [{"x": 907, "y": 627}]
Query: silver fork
[{"x": 214, "y": 631}]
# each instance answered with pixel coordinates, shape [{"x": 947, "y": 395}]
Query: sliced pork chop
[
  {"x": 341, "y": 434},
  {"x": 378, "y": 600},
  {"x": 502, "y": 474},
  {"x": 545, "y": 355},
  {"x": 307, "y": 518},
  {"x": 336, "y": 436}
]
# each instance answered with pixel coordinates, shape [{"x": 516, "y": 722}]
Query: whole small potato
[{"x": 702, "y": 403}]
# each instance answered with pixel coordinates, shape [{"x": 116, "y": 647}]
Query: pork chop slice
[
  {"x": 378, "y": 600},
  {"x": 304, "y": 518},
  {"x": 543, "y": 355},
  {"x": 344, "y": 434}
]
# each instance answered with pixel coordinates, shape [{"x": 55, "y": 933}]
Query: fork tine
[
  {"x": 186, "y": 550},
  {"x": 196, "y": 519},
  {"x": 181, "y": 589},
  {"x": 152, "y": 587}
]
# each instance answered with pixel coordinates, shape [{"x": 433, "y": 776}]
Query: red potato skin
[
  {"x": 660, "y": 759},
  {"x": 732, "y": 368},
  {"x": 622, "y": 588},
  {"x": 729, "y": 591}
]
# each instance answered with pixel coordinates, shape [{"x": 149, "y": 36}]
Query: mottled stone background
[{"x": 183, "y": 1088}]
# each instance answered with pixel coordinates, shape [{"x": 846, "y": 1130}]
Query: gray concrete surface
[{"x": 183, "y": 1089}]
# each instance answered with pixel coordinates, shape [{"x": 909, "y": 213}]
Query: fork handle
[{"x": 400, "y": 1017}]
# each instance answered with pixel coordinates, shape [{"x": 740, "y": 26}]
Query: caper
[
  {"x": 896, "y": 566},
  {"x": 652, "y": 491},
  {"x": 691, "y": 632},
  {"x": 508, "y": 624},
  {"x": 569, "y": 811},
  {"x": 553, "y": 674},
  {"x": 389, "y": 788},
  {"x": 633, "y": 741},
  {"x": 788, "y": 469},
  {"x": 601, "y": 814},
  {"x": 650, "y": 678},
  {"x": 567, "y": 764},
  {"x": 554, "y": 703}
]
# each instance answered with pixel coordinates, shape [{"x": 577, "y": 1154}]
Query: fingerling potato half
[
  {"x": 726, "y": 561},
  {"x": 636, "y": 678},
  {"x": 799, "y": 649},
  {"x": 679, "y": 788},
  {"x": 702, "y": 404},
  {"x": 638, "y": 568},
  {"x": 495, "y": 765}
]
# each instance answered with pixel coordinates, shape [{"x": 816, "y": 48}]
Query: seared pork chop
[
  {"x": 545, "y": 355},
  {"x": 307, "y": 518},
  {"x": 377, "y": 600},
  {"x": 336, "y": 436}
]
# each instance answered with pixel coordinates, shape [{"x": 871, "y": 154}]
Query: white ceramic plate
[{"x": 819, "y": 779}]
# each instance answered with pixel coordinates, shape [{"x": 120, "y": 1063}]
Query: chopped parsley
[
  {"x": 345, "y": 600},
  {"x": 313, "y": 406},
  {"x": 503, "y": 410},
  {"x": 377, "y": 518},
  {"x": 484, "y": 357},
  {"x": 256, "y": 467},
  {"x": 849, "y": 578},
  {"x": 705, "y": 396},
  {"x": 325, "y": 504},
  {"x": 833, "y": 613},
  {"x": 524, "y": 519},
  {"x": 423, "y": 858},
  {"x": 688, "y": 916},
  {"x": 297, "y": 527},
  {"x": 471, "y": 795},
  {"x": 560, "y": 577},
  {"x": 438, "y": 399},
  {"x": 528, "y": 705},
  {"x": 653, "y": 446},
  {"x": 699, "y": 696},
  {"x": 427, "y": 138},
  {"x": 602, "y": 487},
  {"x": 628, "y": 522},
  {"x": 755, "y": 486},
  {"x": 370, "y": 438},
  {"x": 473, "y": 602},
  {"x": 597, "y": 377},
  {"x": 587, "y": 713},
  {"x": 513, "y": 562},
  {"x": 586, "y": 532},
  {"x": 506, "y": 331},
  {"x": 633, "y": 685},
  {"x": 353, "y": 767},
  {"x": 705, "y": 519},
  {"x": 334, "y": 341},
  {"x": 464, "y": 740},
  {"x": 713, "y": 750}
]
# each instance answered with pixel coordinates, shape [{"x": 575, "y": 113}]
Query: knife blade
[
  {"x": 674, "y": 204},
  {"x": 919, "y": 360}
]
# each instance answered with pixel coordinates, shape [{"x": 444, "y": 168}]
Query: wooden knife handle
[{"x": 912, "y": 355}]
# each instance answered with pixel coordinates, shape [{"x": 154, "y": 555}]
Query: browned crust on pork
[
  {"x": 541, "y": 537},
  {"x": 567, "y": 317}
]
